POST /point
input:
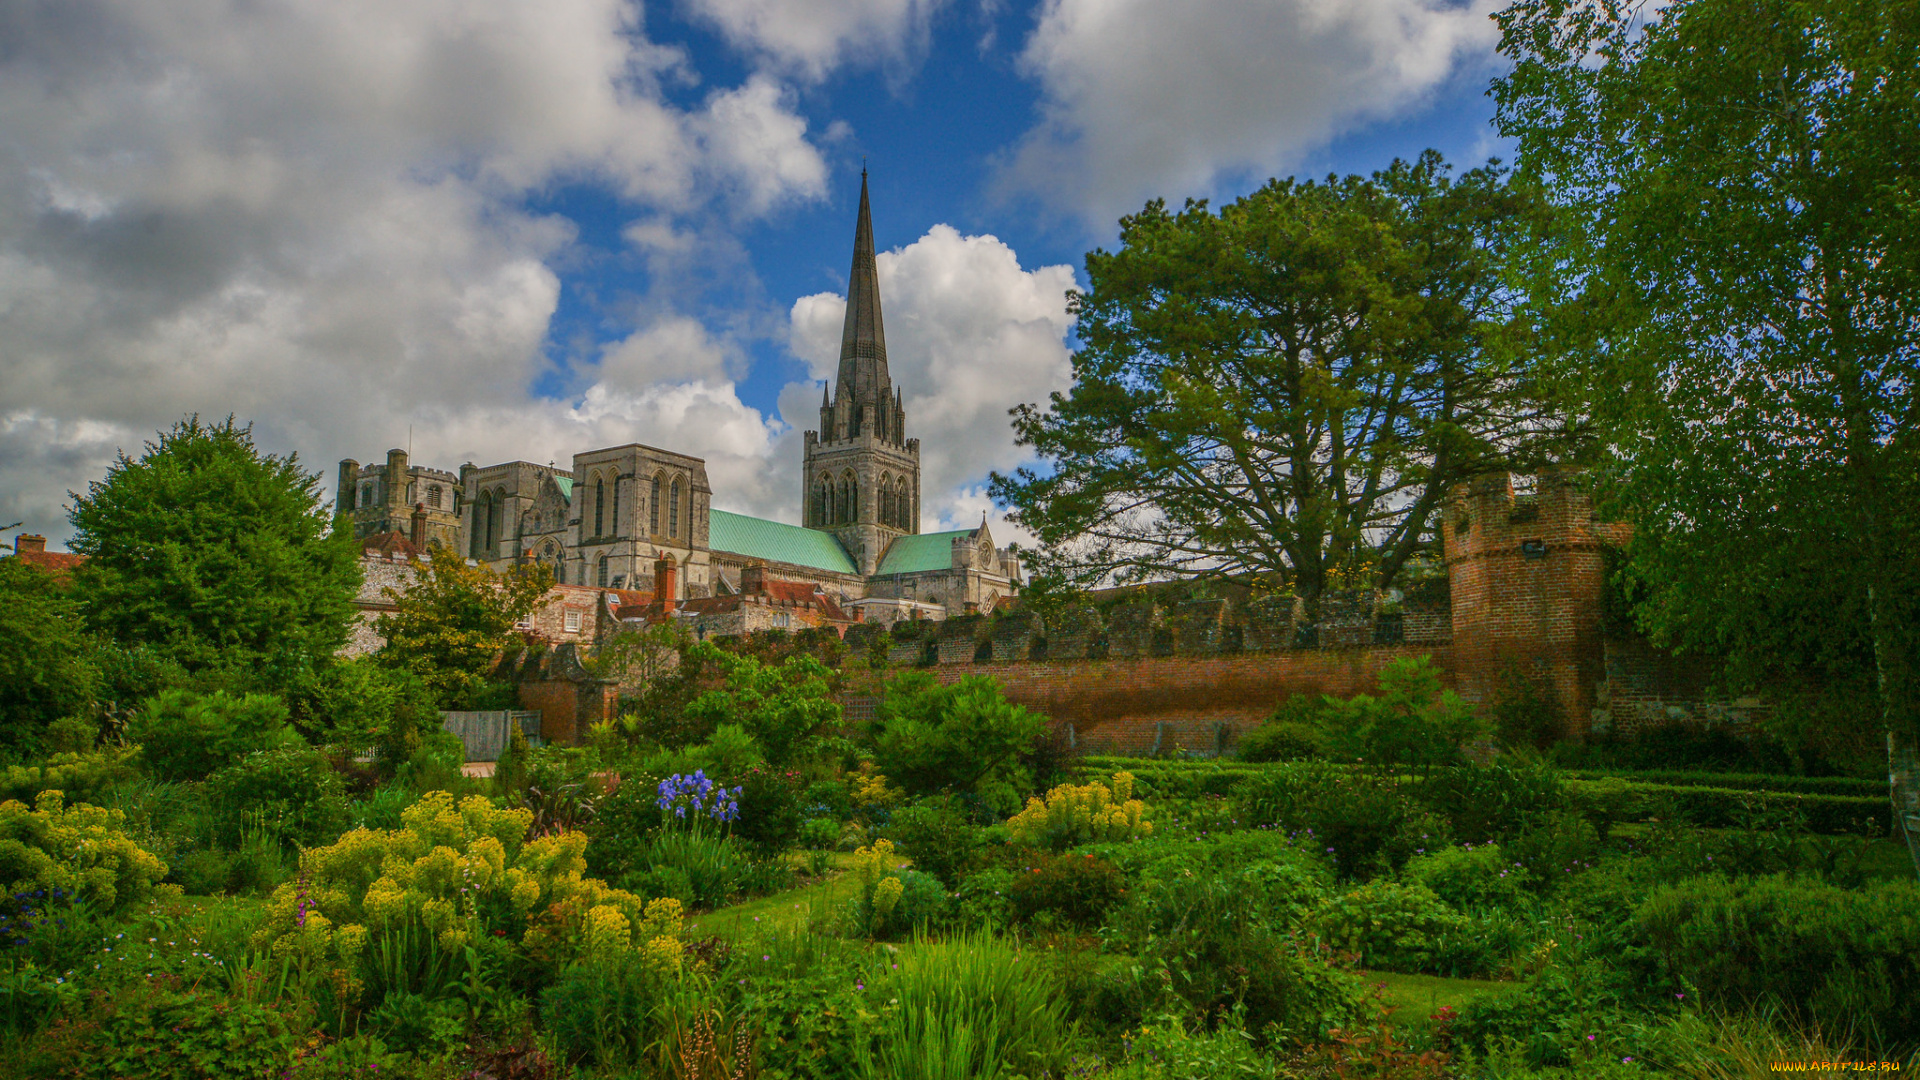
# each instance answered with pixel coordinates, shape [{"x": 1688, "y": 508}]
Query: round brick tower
[{"x": 1527, "y": 572}]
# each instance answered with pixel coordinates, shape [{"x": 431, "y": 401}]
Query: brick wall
[{"x": 1121, "y": 704}]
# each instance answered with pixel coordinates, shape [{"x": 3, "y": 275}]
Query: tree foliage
[
  {"x": 932, "y": 738},
  {"x": 1740, "y": 278},
  {"x": 1288, "y": 388},
  {"x": 47, "y": 667},
  {"x": 455, "y": 619},
  {"x": 787, "y": 707},
  {"x": 215, "y": 556}
]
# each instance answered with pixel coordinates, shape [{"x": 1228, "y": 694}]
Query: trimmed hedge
[
  {"x": 1804, "y": 785},
  {"x": 1720, "y": 808}
]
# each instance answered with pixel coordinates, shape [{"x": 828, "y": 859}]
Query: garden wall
[{"x": 1196, "y": 703}]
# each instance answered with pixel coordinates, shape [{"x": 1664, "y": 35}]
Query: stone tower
[{"x": 860, "y": 476}]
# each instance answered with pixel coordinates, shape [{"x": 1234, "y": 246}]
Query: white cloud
[
  {"x": 808, "y": 38},
  {"x": 1144, "y": 98},
  {"x": 308, "y": 213},
  {"x": 969, "y": 335}
]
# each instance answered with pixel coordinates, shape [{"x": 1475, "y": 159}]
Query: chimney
[
  {"x": 665, "y": 580},
  {"x": 419, "y": 534},
  {"x": 753, "y": 579},
  {"x": 26, "y": 542}
]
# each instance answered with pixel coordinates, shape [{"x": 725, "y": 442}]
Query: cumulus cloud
[
  {"x": 809, "y": 38},
  {"x": 311, "y": 213},
  {"x": 1143, "y": 98},
  {"x": 970, "y": 334}
]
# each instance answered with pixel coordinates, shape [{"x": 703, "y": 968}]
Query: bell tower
[{"x": 860, "y": 476}]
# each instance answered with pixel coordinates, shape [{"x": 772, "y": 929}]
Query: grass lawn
[
  {"x": 789, "y": 910},
  {"x": 1415, "y": 998}
]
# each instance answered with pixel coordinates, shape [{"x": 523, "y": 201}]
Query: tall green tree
[
  {"x": 451, "y": 624},
  {"x": 1287, "y": 389},
  {"x": 215, "y": 556},
  {"x": 47, "y": 667},
  {"x": 1740, "y": 278}
]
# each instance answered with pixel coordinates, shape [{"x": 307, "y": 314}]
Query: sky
[{"x": 492, "y": 230}]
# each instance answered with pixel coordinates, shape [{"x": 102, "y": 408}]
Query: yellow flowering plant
[
  {"x": 82, "y": 850},
  {"x": 877, "y": 872},
  {"x": 1077, "y": 814},
  {"x": 466, "y": 873},
  {"x": 870, "y": 793}
]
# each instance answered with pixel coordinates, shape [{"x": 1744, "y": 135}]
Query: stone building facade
[{"x": 613, "y": 515}]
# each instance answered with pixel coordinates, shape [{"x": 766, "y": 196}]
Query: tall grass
[{"x": 971, "y": 1007}]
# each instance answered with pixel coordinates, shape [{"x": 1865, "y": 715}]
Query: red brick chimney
[
  {"x": 26, "y": 542},
  {"x": 753, "y": 579},
  {"x": 665, "y": 578},
  {"x": 419, "y": 536}
]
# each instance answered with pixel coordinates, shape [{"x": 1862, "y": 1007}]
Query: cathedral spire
[{"x": 863, "y": 342}]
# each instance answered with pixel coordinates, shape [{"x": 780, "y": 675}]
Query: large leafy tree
[
  {"x": 451, "y": 624},
  {"x": 1741, "y": 184},
  {"x": 47, "y": 667},
  {"x": 1287, "y": 389},
  {"x": 215, "y": 556},
  {"x": 1741, "y": 179}
]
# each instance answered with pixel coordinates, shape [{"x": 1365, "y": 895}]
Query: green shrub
[
  {"x": 163, "y": 1030},
  {"x": 828, "y": 799},
  {"x": 1841, "y": 958},
  {"x": 1414, "y": 723},
  {"x": 1389, "y": 926},
  {"x": 940, "y": 837},
  {"x": 1367, "y": 823},
  {"x": 770, "y": 811},
  {"x": 1566, "y": 1016},
  {"x": 85, "y": 776},
  {"x": 291, "y": 790},
  {"x": 1490, "y": 802},
  {"x": 1554, "y": 846},
  {"x": 962, "y": 737},
  {"x": 189, "y": 736},
  {"x": 1471, "y": 876},
  {"x": 1281, "y": 742},
  {"x": 1207, "y": 942},
  {"x": 1076, "y": 888},
  {"x": 1167, "y": 1050},
  {"x": 985, "y": 899}
]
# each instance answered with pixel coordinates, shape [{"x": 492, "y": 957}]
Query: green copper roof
[
  {"x": 770, "y": 540},
  {"x": 566, "y": 486},
  {"x": 928, "y": 551}
]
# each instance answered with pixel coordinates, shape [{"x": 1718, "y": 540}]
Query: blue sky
[{"x": 507, "y": 230}]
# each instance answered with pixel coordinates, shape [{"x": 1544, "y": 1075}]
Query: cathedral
[{"x": 638, "y": 519}]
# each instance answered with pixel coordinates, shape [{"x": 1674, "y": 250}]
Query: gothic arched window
[
  {"x": 903, "y": 505},
  {"x": 885, "y": 496},
  {"x": 602, "y": 582},
  {"x": 599, "y": 508},
  {"x": 614, "y": 510},
  {"x": 433, "y": 496},
  {"x": 673, "y": 508},
  {"x": 653, "y": 508}
]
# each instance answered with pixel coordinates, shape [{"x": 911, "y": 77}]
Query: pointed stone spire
[{"x": 863, "y": 341}]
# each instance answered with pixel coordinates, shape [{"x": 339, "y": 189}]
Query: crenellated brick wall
[{"x": 1122, "y": 704}]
